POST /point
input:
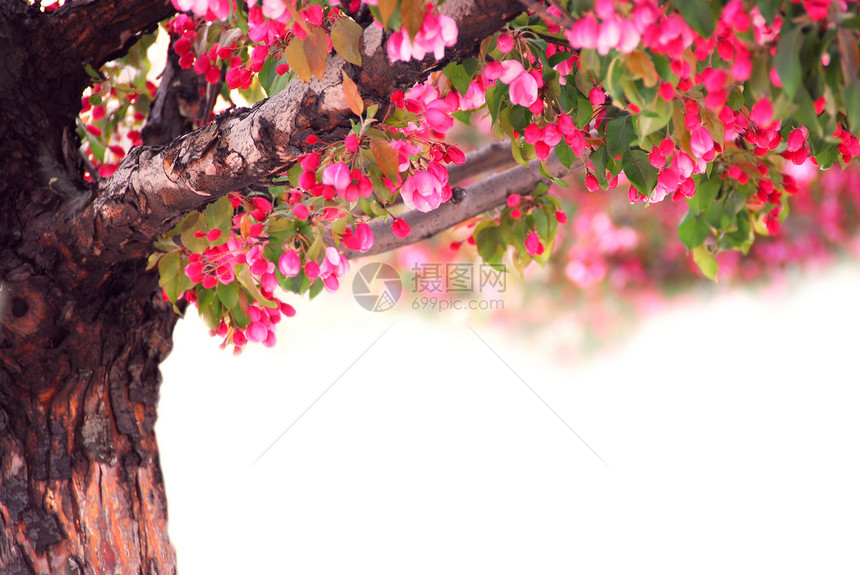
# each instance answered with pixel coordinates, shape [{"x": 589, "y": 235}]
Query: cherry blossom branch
[
  {"x": 97, "y": 31},
  {"x": 477, "y": 198},
  {"x": 487, "y": 159},
  {"x": 154, "y": 186},
  {"x": 478, "y": 162}
]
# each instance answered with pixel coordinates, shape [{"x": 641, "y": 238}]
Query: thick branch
[
  {"x": 487, "y": 159},
  {"x": 153, "y": 187},
  {"x": 98, "y": 31},
  {"x": 479, "y": 198}
]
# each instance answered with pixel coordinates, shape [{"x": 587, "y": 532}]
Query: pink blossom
[
  {"x": 762, "y": 113},
  {"x": 474, "y": 97},
  {"x": 360, "y": 240},
  {"x": 584, "y": 33},
  {"x": 604, "y": 9},
  {"x": 701, "y": 142},
  {"x": 334, "y": 266},
  {"x": 337, "y": 175},
  {"x": 524, "y": 90},
  {"x": 630, "y": 37},
  {"x": 609, "y": 36},
  {"x": 312, "y": 270},
  {"x": 437, "y": 33},
  {"x": 426, "y": 190}
]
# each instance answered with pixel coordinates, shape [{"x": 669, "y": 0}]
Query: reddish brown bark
[{"x": 83, "y": 328}]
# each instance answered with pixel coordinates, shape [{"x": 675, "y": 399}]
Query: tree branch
[
  {"x": 154, "y": 186},
  {"x": 487, "y": 159},
  {"x": 479, "y": 198},
  {"x": 98, "y": 31},
  {"x": 184, "y": 99}
]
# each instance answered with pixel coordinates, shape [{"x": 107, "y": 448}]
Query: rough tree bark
[{"x": 82, "y": 325}]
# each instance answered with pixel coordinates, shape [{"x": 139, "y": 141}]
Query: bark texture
[
  {"x": 83, "y": 328},
  {"x": 81, "y": 336}
]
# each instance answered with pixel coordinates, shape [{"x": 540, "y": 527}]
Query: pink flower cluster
[
  {"x": 605, "y": 30},
  {"x": 426, "y": 190},
  {"x": 522, "y": 86},
  {"x": 337, "y": 180},
  {"x": 437, "y": 33},
  {"x": 547, "y": 137}
]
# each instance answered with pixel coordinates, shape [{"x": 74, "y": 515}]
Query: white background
[{"x": 730, "y": 432}]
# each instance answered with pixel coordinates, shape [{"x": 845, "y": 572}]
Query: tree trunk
[
  {"x": 82, "y": 329},
  {"x": 80, "y": 483}
]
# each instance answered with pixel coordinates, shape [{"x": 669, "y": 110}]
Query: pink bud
[
  {"x": 513, "y": 200},
  {"x": 400, "y": 228},
  {"x": 666, "y": 91},
  {"x": 796, "y": 139},
  {"x": 505, "y": 43},
  {"x": 533, "y": 244},
  {"x": 597, "y": 97},
  {"x": 312, "y": 270},
  {"x": 289, "y": 263},
  {"x": 351, "y": 143}
]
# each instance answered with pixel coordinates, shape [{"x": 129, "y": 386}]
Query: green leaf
[
  {"x": 517, "y": 152},
  {"x": 218, "y": 212},
  {"x": 269, "y": 79},
  {"x": 639, "y": 170},
  {"x": 698, "y": 14},
  {"x": 584, "y": 111},
  {"x": 693, "y": 231},
  {"x": 565, "y": 154},
  {"x": 852, "y": 104},
  {"x": 541, "y": 223},
  {"x": 243, "y": 274},
  {"x": 459, "y": 76},
  {"x": 653, "y": 118},
  {"x": 488, "y": 240},
  {"x": 598, "y": 160},
  {"x": 768, "y": 9},
  {"x": 191, "y": 224},
  {"x": 706, "y": 191},
  {"x": 170, "y": 275},
  {"x": 228, "y": 294},
  {"x": 619, "y": 134},
  {"x": 345, "y": 38},
  {"x": 827, "y": 156},
  {"x": 787, "y": 60},
  {"x": 707, "y": 262}
]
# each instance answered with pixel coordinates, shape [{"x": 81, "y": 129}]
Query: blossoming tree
[{"x": 125, "y": 200}]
